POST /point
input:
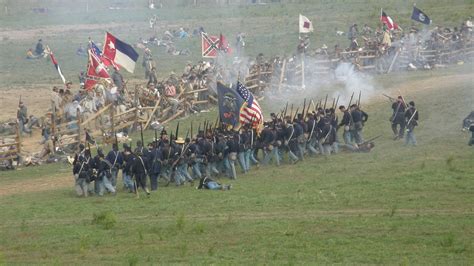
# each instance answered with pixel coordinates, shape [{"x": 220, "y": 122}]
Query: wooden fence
[
  {"x": 11, "y": 150},
  {"x": 109, "y": 120},
  {"x": 288, "y": 74}
]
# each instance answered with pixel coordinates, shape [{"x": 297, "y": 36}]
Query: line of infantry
[{"x": 216, "y": 151}]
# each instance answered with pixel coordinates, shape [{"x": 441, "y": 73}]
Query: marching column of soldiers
[{"x": 217, "y": 152}]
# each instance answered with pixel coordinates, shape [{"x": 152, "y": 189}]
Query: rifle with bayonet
[
  {"x": 296, "y": 114},
  {"x": 358, "y": 102},
  {"x": 141, "y": 134},
  {"x": 286, "y": 109},
  {"x": 389, "y": 97},
  {"x": 350, "y": 101},
  {"x": 325, "y": 102},
  {"x": 370, "y": 140},
  {"x": 177, "y": 131},
  {"x": 304, "y": 107}
]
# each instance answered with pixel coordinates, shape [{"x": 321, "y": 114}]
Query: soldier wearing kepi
[
  {"x": 411, "y": 117},
  {"x": 22, "y": 116},
  {"x": 141, "y": 149},
  {"x": 140, "y": 172},
  {"x": 300, "y": 139},
  {"x": 268, "y": 137},
  {"x": 312, "y": 141},
  {"x": 398, "y": 118},
  {"x": 128, "y": 159},
  {"x": 103, "y": 174},
  {"x": 117, "y": 78},
  {"x": 116, "y": 159},
  {"x": 250, "y": 148},
  {"x": 230, "y": 155},
  {"x": 242, "y": 138},
  {"x": 347, "y": 125},
  {"x": 213, "y": 157},
  {"x": 155, "y": 166},
  {"x": 328, "y": 134},
  {"x": 82, "y": 168},
  {"x": 290, "y": 141},
  {"x": 359, "y": 117}
]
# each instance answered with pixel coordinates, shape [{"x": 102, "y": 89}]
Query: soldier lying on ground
[{"x": 208, "y": 183}]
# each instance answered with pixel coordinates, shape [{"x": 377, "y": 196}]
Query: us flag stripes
[{"x": 250, "y": 112}]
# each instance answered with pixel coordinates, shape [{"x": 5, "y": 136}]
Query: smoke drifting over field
[
  {"x": 342, "y": 82},
  {"x": 353, "y": 81}
]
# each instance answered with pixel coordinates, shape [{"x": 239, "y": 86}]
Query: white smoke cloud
[
  {"x": 353, "y": 82},
  {"x": 341, "y": 82}
]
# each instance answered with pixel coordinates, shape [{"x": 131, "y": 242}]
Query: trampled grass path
[{"x": 255, "y": 216}]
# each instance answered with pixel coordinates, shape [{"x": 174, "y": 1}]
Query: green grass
[{"x": 395, "y": 205}]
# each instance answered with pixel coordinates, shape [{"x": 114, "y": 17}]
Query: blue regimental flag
[
  {"x": 420, "y": 16},
  {"x": 230, "y": 103}
]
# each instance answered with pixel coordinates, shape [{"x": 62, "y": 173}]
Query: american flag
[
  {"x": 95, "y": 49},
  {"x": 250, "y": 112}
]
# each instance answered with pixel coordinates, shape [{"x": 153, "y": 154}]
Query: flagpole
[
  {"x": 302, "y": 56},
  {"x": 380, "y": 18},
  {"x": 302, "y": 69}
]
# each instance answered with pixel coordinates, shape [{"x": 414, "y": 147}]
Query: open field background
[
  {"x": 271, "y": 29},
  {"x": 395, "y": 205}
]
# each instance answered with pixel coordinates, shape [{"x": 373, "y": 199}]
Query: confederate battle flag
[
  {"x": 210, "y": 45},
  {"x": 224, "y": 45},
  {"x": 95, "y": 71}
]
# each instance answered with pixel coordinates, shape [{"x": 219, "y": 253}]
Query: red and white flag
[
  {"x": 306, "y": 26},
  {"x": 56, "y": 65},
  {"x": 391, "y": 25},
  {"x": 96, "y": 70}
]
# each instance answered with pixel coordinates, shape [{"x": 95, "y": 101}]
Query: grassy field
[
  {"x": 395, "y": 205},
  {"x": 271, "y": 29}
]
